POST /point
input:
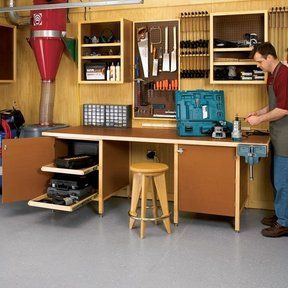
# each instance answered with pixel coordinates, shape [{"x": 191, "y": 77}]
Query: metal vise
[{"x": 252, "y": 154}]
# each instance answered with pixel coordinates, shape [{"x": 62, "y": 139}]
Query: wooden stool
[{"x": 144, "y": 173}]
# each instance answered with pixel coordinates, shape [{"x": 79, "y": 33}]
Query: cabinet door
[
  {"x": 207, "y": 180},
  {"x": 22, "y": 161}
]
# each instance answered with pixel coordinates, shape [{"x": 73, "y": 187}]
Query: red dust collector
[{"x": 48, "y": 27}]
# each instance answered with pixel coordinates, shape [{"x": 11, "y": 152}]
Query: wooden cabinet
[
  {"x": 207, "y": 180},
  {"x": 101, "y": 44},
  {"x": 27, "y": 169},
  {"x": 232, "y": 38},
  {"x": 156, "y": 73},
  {"x": 8, "y": 53}
]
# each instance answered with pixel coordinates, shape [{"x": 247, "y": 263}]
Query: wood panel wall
[{"x": 70, "y": 96}]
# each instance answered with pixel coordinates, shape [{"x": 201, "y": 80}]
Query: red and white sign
[{"x": 37, "y": 19}]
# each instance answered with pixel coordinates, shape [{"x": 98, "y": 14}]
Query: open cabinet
[
  {"x": 27, "y": 168},
  {"x": 8, "y": 53},
  {"x": 103, "y": 44},
  {"x": 233, "y": 36}
]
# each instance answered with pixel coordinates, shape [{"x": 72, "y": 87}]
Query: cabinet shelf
[
  {"x": 101, "y": 45},
  {"x": 37, "y": 202},
  {"x": 233, "y": 49},
  {"x": 52, "y": 168},
  {"x": 238, "y": 82},
  {"x": 235, "y": 63},
  {"x": 102, "y": 57}
]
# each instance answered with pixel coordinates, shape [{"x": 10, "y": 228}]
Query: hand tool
[
  {"x": 173, "y": 53},
  {"x": 155, "y": 37},
  {"x": 160, "y": 59},
  {"x": 142, "y": 40},
  {"x": 166, "y": 63},
  {"x": 155, "y": 63},
  {"x": 139, "y": 99}
]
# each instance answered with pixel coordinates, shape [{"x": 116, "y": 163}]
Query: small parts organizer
[
  {"x": 102, "y": 115},
  {"x": 156, "y": 75}
]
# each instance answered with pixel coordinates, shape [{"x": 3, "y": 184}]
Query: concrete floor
[{"x": 41, "y": 248}]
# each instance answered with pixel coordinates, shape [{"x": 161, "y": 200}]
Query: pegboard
[{"x": 154, "y": 95}]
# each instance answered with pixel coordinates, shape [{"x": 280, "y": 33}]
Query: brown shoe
[
  {"x": 269, "y": 221},
  {"x": 275, "y": 231}
]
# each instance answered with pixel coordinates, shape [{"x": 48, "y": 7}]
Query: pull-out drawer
[{"x": 41, "y": 203}]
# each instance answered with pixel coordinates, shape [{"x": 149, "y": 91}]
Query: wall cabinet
[
  {"x": 24, "y": 179},
  {"x": 102, "y": 44},
  {"x": 8, "y": 53},
  {"x": 232, "y": 38}
]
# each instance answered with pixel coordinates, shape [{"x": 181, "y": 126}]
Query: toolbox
[{"x": 198, "y": 111}]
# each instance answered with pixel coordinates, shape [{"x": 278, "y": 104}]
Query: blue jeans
[{"x": 280, "y": 185}]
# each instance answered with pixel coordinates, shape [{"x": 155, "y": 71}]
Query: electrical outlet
[{"x": 151, "y": 154}]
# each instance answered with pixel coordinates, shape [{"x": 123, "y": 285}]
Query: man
[{"x": 276, "y": 113}]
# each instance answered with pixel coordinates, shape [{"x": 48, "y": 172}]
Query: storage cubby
[
  {"x": 33, "y": 170},
  {"x": 101, "y": 45},
  {"x": 8, "y": 53},
  {"x": 233, "y": 36},
  {"x": 73, "y": 148}
]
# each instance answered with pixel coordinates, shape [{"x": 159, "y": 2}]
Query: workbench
[{"x": 209, "y": 177}]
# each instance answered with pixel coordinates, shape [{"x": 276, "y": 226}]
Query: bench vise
[{"x": 252, "y": 154}]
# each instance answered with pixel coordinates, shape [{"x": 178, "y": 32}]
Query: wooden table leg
[
  {"x": 176, "y": 196},
  {"x": 237, "y": 193}
]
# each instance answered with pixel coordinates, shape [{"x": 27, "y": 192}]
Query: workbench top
[{"x": 168, "y": 136}]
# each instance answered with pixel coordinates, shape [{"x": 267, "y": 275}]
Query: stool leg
[
  {"x": 145, "y": 183},
  {"x": 162, "y": 194},
  {"x": 136, "y": 189},
  {"x": 154, "y": 200}
]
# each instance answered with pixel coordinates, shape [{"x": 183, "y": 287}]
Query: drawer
[{"x": 38, "y": 202}]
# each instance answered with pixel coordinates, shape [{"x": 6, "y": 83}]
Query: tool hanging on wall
[
  {"x": 194, "y": 44},
  {"x": 142, "y": 41},
  {"x": 166, "y": 64},
  {"x": 155, "y": 37},
  {"x": 173, "y": 53},
  {"x": 154, "y": 95},
  {"x": 278, "y": 30}
]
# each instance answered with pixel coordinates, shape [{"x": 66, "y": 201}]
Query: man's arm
[
  {"x": 259, "y": 112},
  {"x": 272, "y": 115}
]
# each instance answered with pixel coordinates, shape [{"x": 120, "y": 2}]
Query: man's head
[{"x": 265, "y": 56}]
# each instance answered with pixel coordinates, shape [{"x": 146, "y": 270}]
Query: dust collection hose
[{"x": 47, "y": 103}]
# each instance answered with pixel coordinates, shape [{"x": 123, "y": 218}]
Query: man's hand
[
  {"x": 253, "y": 120},
  {"x": 251, "y": 114}
]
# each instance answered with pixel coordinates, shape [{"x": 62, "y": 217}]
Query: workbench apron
[{"x": 279, "y": 128}]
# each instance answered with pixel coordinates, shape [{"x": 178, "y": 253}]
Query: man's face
[{"x": 262, "y": 63}]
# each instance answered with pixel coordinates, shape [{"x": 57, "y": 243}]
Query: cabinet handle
[
  {"x": 180, "y": 150},
  {"x": 5, "y": 147}
]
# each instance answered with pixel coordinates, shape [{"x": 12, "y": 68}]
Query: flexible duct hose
[{"x": 47, "y": 103}]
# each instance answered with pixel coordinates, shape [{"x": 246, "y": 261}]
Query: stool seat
[
  {"x": 146, "y": 175},
  {"x": 148, "y": 167}
]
